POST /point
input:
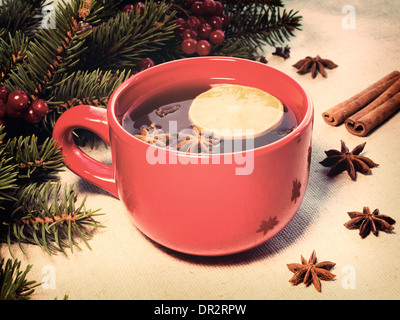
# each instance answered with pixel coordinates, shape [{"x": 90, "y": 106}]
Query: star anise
[
  {"x": 314, "y": 65},
  {"x": 350, "y": 161},
  {"x": 367, "y": 222},
  {"x": 310, "y": 272},
  {"x": 197, "y": 141},
  {"x": 153, "y": 135}
]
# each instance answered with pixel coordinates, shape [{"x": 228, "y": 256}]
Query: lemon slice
[{"x": 229, "y": 110}]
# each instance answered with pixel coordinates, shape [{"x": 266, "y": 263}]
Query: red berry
[
  {"x": 209, "y": 6},
  {"x": 39, "y": 107},
  {"x": 226, "y": 20},
  {"x": 145, "y": 64},
  {"x": 217, "y": 37},
  {"x": 139, "y": 6},
  {"x": 3, "y": 109},
  {"x": 193, "y": 22},
  {"x": 127, "y": 8},
  {"x": 216, "y": 23},
  {"x": 3, "y": 93},
  {"x": 197, "y": 8},
  {"x": 181, "y": 23},
  {"x": 189, "y": 33},
  {"x": 31, "y": 117},
  {"x": 205, "y": 30},
  {"x": 12, "y": 112},
  {"x": 181, "y": 26},
  {"x": 219, "y": 8},
  {"x": 203, "y": 48},
  {"x": 189, "y": 2},
  {"x": 189, "y": 46},
  {"x": 17, "y": 100}
]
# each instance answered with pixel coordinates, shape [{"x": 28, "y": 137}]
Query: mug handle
[{"x": 93, "y": 119}]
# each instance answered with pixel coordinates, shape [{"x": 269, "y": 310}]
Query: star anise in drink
[
  {"x": 314, "y": 65},
  {"x": 311, "y": 272},
  {"x": 153, "y": 135},
  {"x": 350, "y": 161},
  {"x": 367, "y": 222},
  {"x": 197, "y": 141}
]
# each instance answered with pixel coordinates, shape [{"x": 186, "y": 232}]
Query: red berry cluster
[
  {"x": 134, "y": 7},
  {"x": 205, "y": 23},
  {"x": 16, "y": 105}
]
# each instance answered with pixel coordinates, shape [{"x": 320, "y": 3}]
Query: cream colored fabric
[{"x": 124, "y": 264}]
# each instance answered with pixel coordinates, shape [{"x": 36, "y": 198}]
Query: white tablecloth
[{"x": 124, "y": 264}]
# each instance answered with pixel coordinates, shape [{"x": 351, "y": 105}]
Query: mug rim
[{"x": 129, "y": 138}]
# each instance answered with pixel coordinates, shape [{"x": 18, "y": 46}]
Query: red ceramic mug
[{"x": 197, "y": 205}]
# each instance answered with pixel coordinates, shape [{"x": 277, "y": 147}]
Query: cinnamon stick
[
  {"x": 365, "y": 120},
  {"x": 364, "y": 124},
  {"x": 337, "y": 114}
]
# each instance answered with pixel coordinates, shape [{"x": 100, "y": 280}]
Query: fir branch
[
  {"x": 255, "y": 26},
  {"x": 8, "y": 186},
  {"x": 51, "y": 52},
  {"x": 13, "y": 282},
  {"x": 35, "y": 162},
  {"x": 82, "y": 87},
  {"x": 8, "y": 174},
  {"x": 129, "y": 37},
  {"x": 104, "y": 10},
  {"x": 48, "y": 216},
  {"x": 28, "y": 17},
  {"x": 233, "y": 48},
  {"x": 12, "y": 52}
]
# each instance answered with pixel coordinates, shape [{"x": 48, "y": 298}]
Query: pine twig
[
  {"x": 82, "y": 87},
  {"x": 234, "y": 48},
  {"x": 35, "y": 162},
  {"x": 85, "y": 87},
  {"x": 8, "y": 174},
  {"x": 8, "y": 178},
  {"x": 129, "y": 37},
  {"x": 50, "y": 52},
  {"x": 255, "y": 26},
  {"x": 12, "y": 52},
  {"x": 48, "y": 216},
  {"x": 13, "y": 282},
  {"x": 27, "y": 19}
]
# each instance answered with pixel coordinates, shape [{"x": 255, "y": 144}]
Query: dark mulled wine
[{"x": 164, "y": 120}]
